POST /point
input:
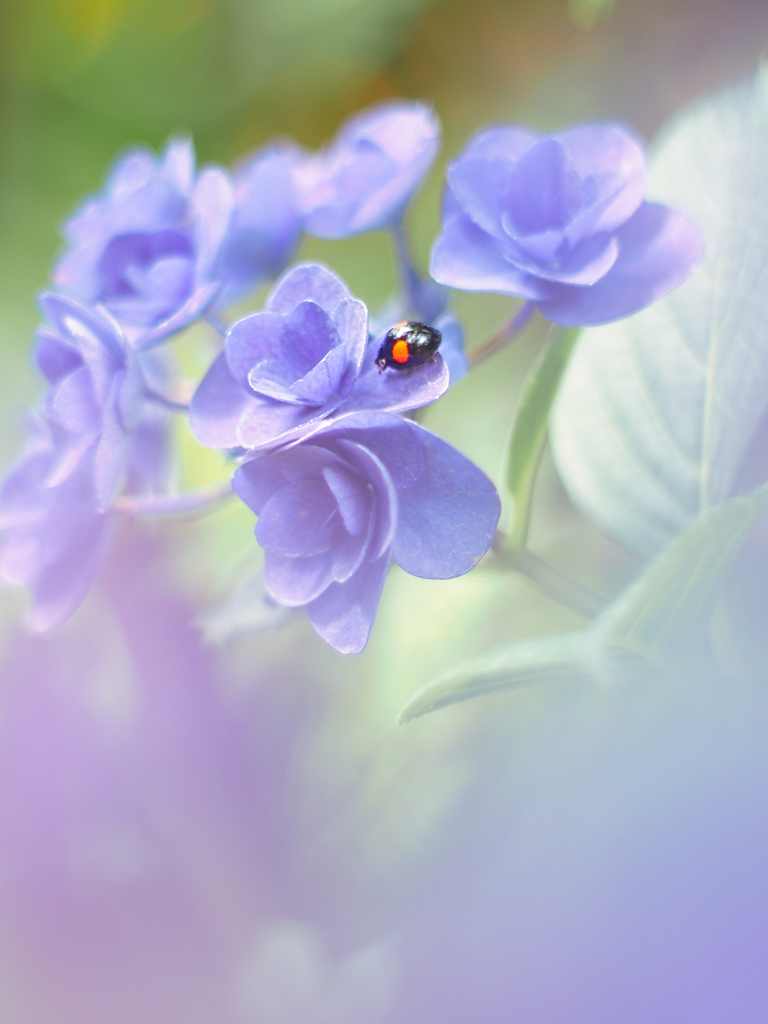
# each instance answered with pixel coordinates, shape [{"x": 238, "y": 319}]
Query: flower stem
[
  {"x": 504, "y": 335},
  {"x": 178, "y": 402},
  {"x": 202, "y": 499},
  {"x": 218, "y": 325},
  {"x": 549, "y": 580},
  {"x": 409, "y": 279}
]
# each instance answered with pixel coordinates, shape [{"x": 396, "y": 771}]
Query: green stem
[
  {"x": 504, "y": 335},
  {"x": 550, "y": 581},
  {"x": 529, "y": 431},
  {"x": 217, "y": 324},
  {"x": 409, "y": 279},
  {"x": 200, "y": 500}
]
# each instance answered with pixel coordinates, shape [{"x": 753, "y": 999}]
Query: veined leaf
[
  {"x": 645, "y": 629},
  {"x": 656, "y": 413}
]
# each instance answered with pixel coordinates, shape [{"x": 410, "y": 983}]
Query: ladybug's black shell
[{"x": 422, "y": 340}]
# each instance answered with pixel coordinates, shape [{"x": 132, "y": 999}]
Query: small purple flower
[
  {"x": 365, "y": 178},
  {"x": 307, "y": 357},
  {"x": 146, "y": 248},
  {"x": 334, "y": 509},
  {"x": 266, "y": 222},
  {"x": 99, "y": 435},
  {"x": 97, "y": 394},
  {"x": 52, "y": 535},
  {"x": 560, "y": 220}
]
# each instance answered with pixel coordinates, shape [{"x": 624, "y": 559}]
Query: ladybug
[{"x": 407, "y": 345}]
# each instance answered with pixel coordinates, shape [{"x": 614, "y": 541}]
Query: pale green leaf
[
  {"x": 677, "y": 591},
  {"x": 657, "y": 412},
  {"x": 645, "y": 628},
  {"x": 564, "y": 658}
]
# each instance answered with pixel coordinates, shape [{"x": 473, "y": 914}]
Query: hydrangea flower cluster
[{"x": 343, "y": 482}]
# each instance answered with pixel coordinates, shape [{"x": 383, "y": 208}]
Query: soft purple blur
[
  {"x": 97, "y": 393},
  {"x": 95, "y": 435},
  {"x": 266, "y": 221},
  {"x": 365, "y": 178},
  {"x": 171, "y": 853},
  {"x": 102, "y": 430},
  {"x": 52, "y": 533}
]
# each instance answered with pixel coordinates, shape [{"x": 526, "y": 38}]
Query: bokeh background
[{"x": 241, "y": 834}]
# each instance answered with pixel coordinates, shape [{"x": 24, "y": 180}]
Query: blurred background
[{"x": 242, "y": 834}]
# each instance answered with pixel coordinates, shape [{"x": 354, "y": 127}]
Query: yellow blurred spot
[{"x": 95, "y": 21}]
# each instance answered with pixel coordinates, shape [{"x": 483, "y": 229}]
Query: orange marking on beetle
[{"x": 400, "y": 351}]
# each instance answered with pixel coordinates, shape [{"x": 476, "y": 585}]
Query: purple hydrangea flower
[
  {"x": 560, "y": 220},
  {"x": 97, "y": 393},
  {"x": 147, "y": 247},
  {"x": 334, "y": 509},
  {"x": 365, "y": 178},
  {"x": 266, "y": 222},
  {"x": 305, "y": 358},
  {"x": 52, "y": 535},
  {"x": 99, "y": 434}
]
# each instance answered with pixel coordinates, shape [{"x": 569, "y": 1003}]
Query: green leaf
[
  {"x": 563, "y": 658},
  {"x": 657, "y": 412},
  {"x": 529, "y": 431},
  {"x": 646, "y": 628},
  {"x": 669, "y": 602}
]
